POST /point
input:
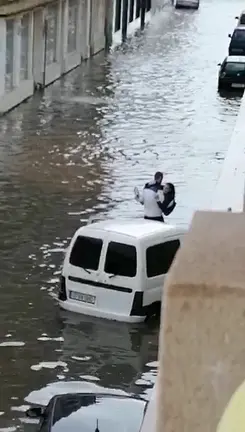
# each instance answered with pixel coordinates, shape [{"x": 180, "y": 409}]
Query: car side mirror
[
  {"x": 236, "y": 17},
  {"x": 219, "y": 64},
  {"x": 229, "y": 35},
  {"x": 35, "y": 412}
]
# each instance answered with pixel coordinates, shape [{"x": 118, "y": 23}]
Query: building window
[
  {"x": 138, "y": 6},
  {"x": 131, "y": 11},
  {"x": 51, "y": 33},
  {"x": 118, "y": 13},
  {"x": 9, "y": 66},
  {"x": 86, "y": 253},
  {"x": 24, "y": 49},
  {"x": 121, "y": 259},
  {"x": 160, "y": 257},
  {"x": 72, "y": 26}
]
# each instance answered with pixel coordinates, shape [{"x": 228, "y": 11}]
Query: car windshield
[
  {"x": 239, "y": 35},
  {"x": 234, "y": 68},
  {"x": 242, "y": 19}
]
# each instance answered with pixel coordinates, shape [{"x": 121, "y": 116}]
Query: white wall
[{"x": 229, "y": 191}]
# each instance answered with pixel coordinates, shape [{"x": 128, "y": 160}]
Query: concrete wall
[{"x": 229, "y": 192}]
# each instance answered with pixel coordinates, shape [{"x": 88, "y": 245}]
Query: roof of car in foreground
[
  {"x": 84, "y": 412},
  {"x": 235, "y": 59},
  {"x": 136, "y": 228}
]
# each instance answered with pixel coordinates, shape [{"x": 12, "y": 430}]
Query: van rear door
[
  {"x": 82, "y": 267},
  {"x": 120, "y": 274}
]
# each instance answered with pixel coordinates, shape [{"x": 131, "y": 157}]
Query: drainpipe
[
  {"x": 108, "y": 24},
  {"x": 45, "y": 31},
  {"x": 142, "y": 14},
  {"x": 124, "y": 20}
]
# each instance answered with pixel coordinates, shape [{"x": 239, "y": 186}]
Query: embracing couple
[{"x": 157, "y": 199}]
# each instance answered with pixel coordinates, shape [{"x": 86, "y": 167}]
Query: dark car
[
  {"x": 241, "y": 19},
  {"x": 90, "y": 412},
  {"x": 232, "y": 73},
  {"x": 237, "y": 43}
]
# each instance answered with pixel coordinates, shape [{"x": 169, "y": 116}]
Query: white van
[
  {"x": 191, "y": 4},
  {"x": 116, "y": 269}
]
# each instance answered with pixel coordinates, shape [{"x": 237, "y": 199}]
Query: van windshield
[
  {"x": 238, "y": 36},
  {"x": 234, "y": 69}
]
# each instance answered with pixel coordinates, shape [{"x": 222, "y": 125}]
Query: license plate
[
  {"x": 238, "y": 85},
  {"x": 85, "y": 298}
]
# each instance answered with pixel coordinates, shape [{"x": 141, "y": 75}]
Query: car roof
[
  {"x": 78, "y": 412},
  {"x": 239, "y": 27},
  {"x": 235, "y": 59},
  {"x": 136, "y": 228}
]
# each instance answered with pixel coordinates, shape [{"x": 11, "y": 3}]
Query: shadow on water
[{"x": 79, "y": 150}]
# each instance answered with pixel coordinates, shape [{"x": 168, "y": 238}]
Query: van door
[
  {"x": 82, "y": 266},
  {"x": 159, "y": 256},
  {"x": 120, "y": 273}
]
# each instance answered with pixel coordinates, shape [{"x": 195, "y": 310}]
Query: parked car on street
[
  {"x": 232, "y": 73},
  {"x": 241, "y": 19},
  {"x": 90, "y": 412},
  {"x": 237, "y": 43},
  {"x": 190, "y": 4}
]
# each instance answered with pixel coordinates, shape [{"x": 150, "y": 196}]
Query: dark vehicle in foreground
[
  {"x": 237, "y": 43},
  {"x": 232, "y": 73},
  {"x": 90, "y": 412}
]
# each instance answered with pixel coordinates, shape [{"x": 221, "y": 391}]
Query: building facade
[{"x": 41, "y": 42}]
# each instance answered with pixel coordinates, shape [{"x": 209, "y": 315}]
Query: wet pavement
[{"x": 79, "y": 150}]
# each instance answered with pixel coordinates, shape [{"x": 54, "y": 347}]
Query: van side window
[
  {"x": 86, "y": 252},
  {"x": 121, "y": 259},
  {"x": 160, "y": 257}
]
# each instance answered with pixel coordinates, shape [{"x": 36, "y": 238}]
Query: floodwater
[{"x": 78, "y": 150}]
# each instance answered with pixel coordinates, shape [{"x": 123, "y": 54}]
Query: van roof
[{"x": 136, "y": 228}]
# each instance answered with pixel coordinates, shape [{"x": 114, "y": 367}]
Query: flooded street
[{"x": 78, "y": 151}]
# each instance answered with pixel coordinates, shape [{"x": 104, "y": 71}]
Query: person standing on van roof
[
  {"x": 157, "y": 199},
  {"x": 150, "y": 198}
]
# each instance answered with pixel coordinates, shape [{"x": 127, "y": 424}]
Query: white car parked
[
  {"x": 116, "y": 269},
  {"x": 190, "y": 4}
]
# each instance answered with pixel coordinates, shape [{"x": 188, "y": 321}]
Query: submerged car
[
  {"x": 232, "y": 73},
  {"x": 90, "y": 412},
  {"x": 190, "y": 4},
  {"x": 237, "y": 43},
  {"x": 115, "y": 269}
]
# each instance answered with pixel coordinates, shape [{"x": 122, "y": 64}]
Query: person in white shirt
[{"x": 156, "y": 198}]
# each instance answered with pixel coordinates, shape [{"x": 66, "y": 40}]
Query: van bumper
[{"x": 79, "y": 308}]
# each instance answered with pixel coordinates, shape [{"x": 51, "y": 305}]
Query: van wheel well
[{"x": 153, "y": 310}]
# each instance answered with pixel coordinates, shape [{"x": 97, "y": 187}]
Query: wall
[{"x": 229, "y": 191}]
